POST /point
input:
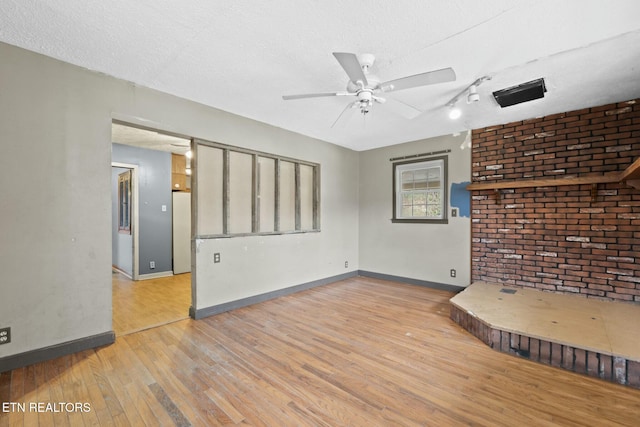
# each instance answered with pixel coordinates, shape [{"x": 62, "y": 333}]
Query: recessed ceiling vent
[{"x": 524, "y": 92}]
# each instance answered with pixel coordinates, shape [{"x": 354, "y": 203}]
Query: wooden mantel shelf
[{"x": 631, "y": 176}]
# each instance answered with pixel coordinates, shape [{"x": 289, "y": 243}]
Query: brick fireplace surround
[
  {"x": 555, "y": 238},
  {"x": 573, "y": 238}
]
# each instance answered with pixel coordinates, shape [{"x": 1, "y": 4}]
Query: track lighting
[{"x": 472, "y": 96}]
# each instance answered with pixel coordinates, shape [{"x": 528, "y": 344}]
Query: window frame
[
  {"x": 256, "y": 188},
  {"x": 398, "y": 168},
  {"x": 124, "y": 202}
]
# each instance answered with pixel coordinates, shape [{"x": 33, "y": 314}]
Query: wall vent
[{"x": 524, "y": 92}]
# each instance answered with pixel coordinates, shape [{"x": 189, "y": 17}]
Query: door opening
[{"x": 149, "y": 221}]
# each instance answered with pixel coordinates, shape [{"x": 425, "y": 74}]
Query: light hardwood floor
[
  {"x": 145, "y": 304},
  {"x": 360, "y": 352}
]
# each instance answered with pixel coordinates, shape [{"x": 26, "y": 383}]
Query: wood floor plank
[
  {"x": 16, "y": 394},
  {"x": 361, "y": 352},
  {"x": 144, "y": 304},
  {"x": 5, "y": 396}
]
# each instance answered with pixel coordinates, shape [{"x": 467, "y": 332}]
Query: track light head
[{"x": 473, "y": 95}]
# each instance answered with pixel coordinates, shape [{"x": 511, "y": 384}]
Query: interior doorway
[{"x": 151, "y": 280}]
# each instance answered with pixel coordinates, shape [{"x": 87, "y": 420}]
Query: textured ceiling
[
  {"x": 242, "y": 56},
  {"x": 128, "y": 135}
]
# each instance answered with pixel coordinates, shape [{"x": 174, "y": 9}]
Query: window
[
  {"x": 243, "y": 192},
  {"x": 124, "y": 202},
  {"x": 419, "y": 191}
]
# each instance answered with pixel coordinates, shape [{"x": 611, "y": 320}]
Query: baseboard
[
  {"x": 221, "y": 308},
  {"x": 426, "y": 283},
  {"x": 115, "y": 269},
  {"x": 47, "y": 353},
  {"x": 155, "y": 275}
]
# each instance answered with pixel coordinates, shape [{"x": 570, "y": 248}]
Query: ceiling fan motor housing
[
  {"x": 366, "y": 60},
  {"x": 372, "y": 83}
]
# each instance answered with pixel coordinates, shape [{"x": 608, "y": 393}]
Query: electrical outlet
[
  {"x": 346, "y": 264},
  {"x": 152, "y": 265},
  {"x": 5, "y": 336},
  {"x": 453, "y": 272},
  {"x": 216, "y": 257},
  {"x": 454, "y": 212}
]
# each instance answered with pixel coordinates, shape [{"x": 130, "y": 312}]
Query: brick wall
[{"x": 556, "y": 238}]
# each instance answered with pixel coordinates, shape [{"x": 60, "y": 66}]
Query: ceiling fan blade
[
  {"x": 431, "y": 77},
  {"x": 316, "y": 95},
  {"x": 351, "y": 66}
]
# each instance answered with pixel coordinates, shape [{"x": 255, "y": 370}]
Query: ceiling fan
[{"x": 366, "y": 87}]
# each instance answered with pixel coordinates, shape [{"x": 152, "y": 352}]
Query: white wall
[
  {"x": 415, "y": 251},
  {"x": 55, "y": 254}
]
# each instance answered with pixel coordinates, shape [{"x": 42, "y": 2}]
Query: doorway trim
[{"x": 134, "y": 215}]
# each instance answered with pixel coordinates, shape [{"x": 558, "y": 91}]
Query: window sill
[
  {"x": 269, "y": 233},
  {"x": 419, "y": 221}
]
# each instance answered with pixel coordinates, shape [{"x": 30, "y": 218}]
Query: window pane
[
  {"x": 407, "y": 180},
  {"x": 240, "y": 192},
  {"x": 434, "y": 211},
  {"x": 306, "y": 197},
  {"x": 419, "y": 198},
  {"x": 209, "y": 190},
  {"x": 266, "y": 193},
  {"x": 287, "y": 196},
  {"x": 419, "y": 210},
  {"x": 420, "y": 179},
  {"x": 433, "y": 197}
]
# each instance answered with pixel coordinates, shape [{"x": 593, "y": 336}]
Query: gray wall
[
  {"x": 416, "y": 251},
  {"x": 154, "y": 189},
  {"x": 55, "y": 121}
]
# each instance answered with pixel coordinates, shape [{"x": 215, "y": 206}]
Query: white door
[{"x": 181, "y": 232}]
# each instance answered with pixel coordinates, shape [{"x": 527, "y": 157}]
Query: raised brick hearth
[
  {"x": 565, "y": 331},
  {"x": 592, "y": 363}
]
